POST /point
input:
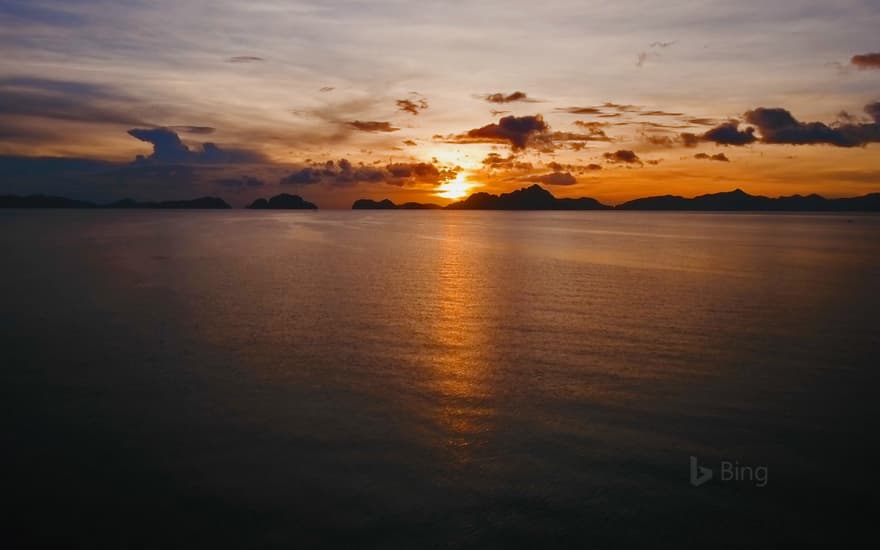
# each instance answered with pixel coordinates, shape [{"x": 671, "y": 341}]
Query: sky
[{"x": 429, "y": 101}]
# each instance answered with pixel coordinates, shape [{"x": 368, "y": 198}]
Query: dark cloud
[
  {"x": 239, "y": 183},
  {"x": 528, "y": 132},
  {"x": 410, "y": 143},
  {"x": 169, "y": 149},
  {"x": 245, "y": 59},
  {"x": 325, "y": 89},
  {"x": 412, "y": 106},
  {"x": 372, "y": 126},
  {"x": 343, "y": 173},
  {"x": 873, "y": 110},
  {"x": 496, "y": 112},
  {"x": 593, "y": 167},
  {"x": 720, "y": 157},
  {"x": 663, "y": 44},
  {"x": 623, "y": 156},
  {"x": 66, "y": 101},
  {"x": 779, "y": 126},
  {"x": 303, "y": 176},
  {"x": 519, "y": 132},
  {"x": 702, "y": 121},
  {"x": 509, "y": 98},
  {"x": 554, "y": 178},
  {"x": 866, "y": 60},
  {"x": 724, "y": 134}
]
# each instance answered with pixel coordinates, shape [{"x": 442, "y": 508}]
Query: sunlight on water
[{"x": 348, "y": 375}]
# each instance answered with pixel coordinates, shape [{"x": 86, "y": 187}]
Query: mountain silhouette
[
  {"x": 283, "y": 201},
  {"x": 739, "y": 200},
  {"x": 533, "y": 197},
  {"x": 386, "y": 204}
]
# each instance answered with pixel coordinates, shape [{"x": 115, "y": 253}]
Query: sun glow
[{"x": 454, "y": 189}]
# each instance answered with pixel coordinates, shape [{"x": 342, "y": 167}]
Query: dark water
[{"x": 437, "y": 379}]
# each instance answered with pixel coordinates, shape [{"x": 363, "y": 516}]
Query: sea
[{"x": 435, "y": 379}]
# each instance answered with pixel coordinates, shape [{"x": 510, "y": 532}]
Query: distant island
[
  {"x": 533, "y": 197},
  {"x": 44, "y": 201},
  {"x": 536, "y": 197},
  {"x": 283, "y": 201},
  {"x": 386, "y": 204},
  {"x": 739, "y": 200}
]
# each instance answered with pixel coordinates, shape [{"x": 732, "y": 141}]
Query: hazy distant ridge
[{"x": 538, "y": 198}]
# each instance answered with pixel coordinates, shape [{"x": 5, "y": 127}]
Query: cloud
[
  {"x": 65, "y": 101},
  {"x": 303, "y": 176},
  {"x": 554, "y": 178},
  {"x": 509, "y": 98},
  {"x": 510, "y": 162},
  {"x": 866, "y": 61},
  {"x": 659, "y": 113},
  {"x": 412, "y": 107},
  {"x": 581, "y": 110},
  {"x": 344, "y": 173},
  {"x": 720, "y": 157},
  {"x": 410, "y": 143},
  {"x": 730, "y": 134},
  {"x": 727, "y": 133},
  {"x": 779, "y": 126},
  {"x": 372, "y": 126},
  {"x": 239, "y": 183},
  {"x": 192, "y": 129},
  {"x": 644, "y": 56},
  {"x": 169, "y": 149},
  {"x": 325, "y": 89},
  {"x": 519, "y": 132},
  {"x": 595, "y": 129},
  {"x": 661, "y": 141},
  {"x": 623, "y": 156},
  {"x": 245, "y": 59},
  {"x": 528, "y": 132}
]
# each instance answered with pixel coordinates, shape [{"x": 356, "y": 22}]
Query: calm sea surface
[{"x": 437, "y": 379}]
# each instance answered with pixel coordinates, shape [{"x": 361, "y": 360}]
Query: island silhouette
[
  {"x": 284, "y": 201},
  {"x": 536, "y": 197},
  {"x": 533, "y": 197}
]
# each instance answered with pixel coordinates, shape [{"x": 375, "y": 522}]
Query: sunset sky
[{"x": 339, "y": 100}]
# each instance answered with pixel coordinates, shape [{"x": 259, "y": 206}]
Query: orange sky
[{"x": 425, "y": 101}]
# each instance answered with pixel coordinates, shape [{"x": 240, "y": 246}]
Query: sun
[{"x": 454, "y": 189}]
